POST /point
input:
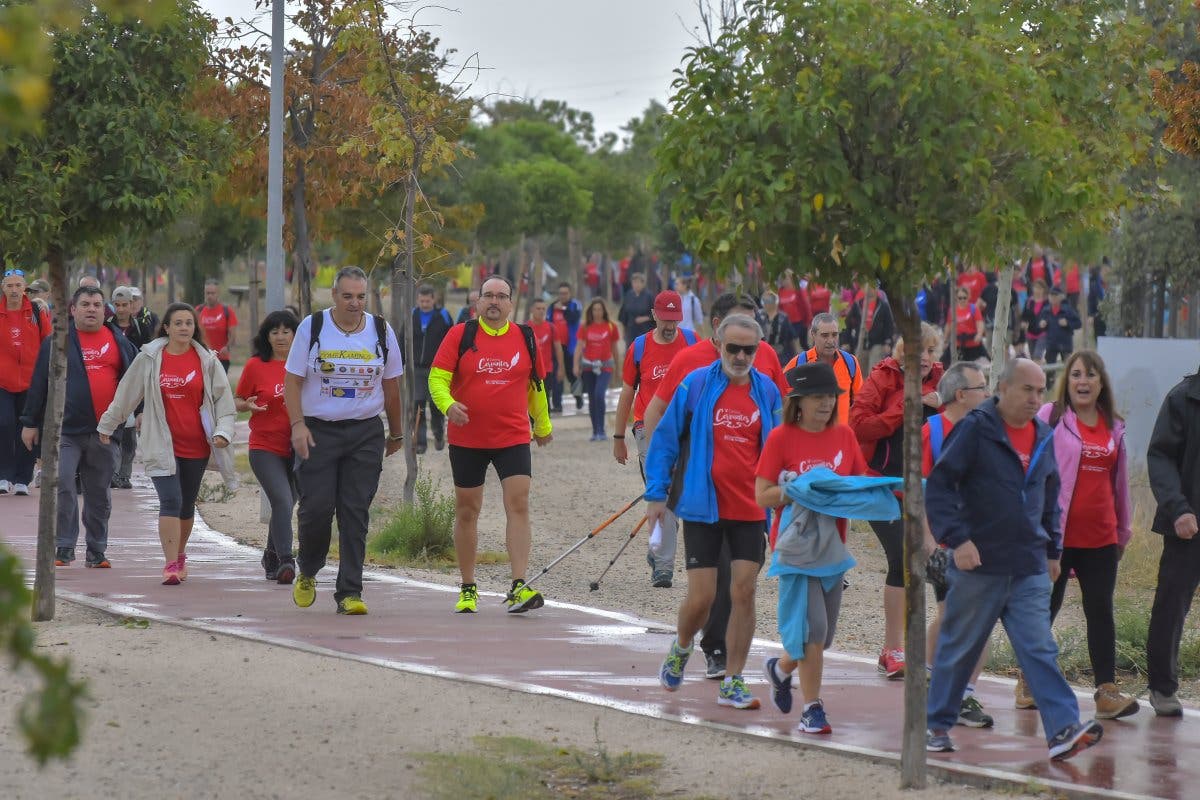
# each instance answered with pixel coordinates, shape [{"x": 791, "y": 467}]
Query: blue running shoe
[
  {"x": 938, "y": 741},
  {"x": 733, "y": 692},
  {"x": 671, "y": 673},
  {"x": 813, "y": 720},
  {"x": 781, "y": 690},
  {"x": 1074, "y": 739}
]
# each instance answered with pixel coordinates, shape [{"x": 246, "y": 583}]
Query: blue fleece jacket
[
  {"x": 698, "y": 499},
  {"x": 79, "y": 417},
  {"x": 979, "y": 492}
]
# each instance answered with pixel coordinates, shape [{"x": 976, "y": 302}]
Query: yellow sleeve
[
  {"x": 539, "y": 409},
  {"x": 439, "y": 388}
]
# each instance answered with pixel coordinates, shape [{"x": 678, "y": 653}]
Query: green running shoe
[
  {"x": 522, "y": 599},
  {"x": 468, "y": 599}
]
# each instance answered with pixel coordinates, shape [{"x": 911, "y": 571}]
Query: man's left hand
[
  {"x": 393, "y": 446},
  {"x": 1054, "y": 567},
  {"x": 542, "y": 441}
]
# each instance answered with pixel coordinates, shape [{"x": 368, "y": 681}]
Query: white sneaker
[
  {"x": 4, "y": 487},
  {"x": 21, "y": 489}
]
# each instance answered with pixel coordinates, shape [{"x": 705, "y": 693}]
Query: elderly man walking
[
  {"x": 712, "y": 434},
  {"x": 992, "y": 499}
]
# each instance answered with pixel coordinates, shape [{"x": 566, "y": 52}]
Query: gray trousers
[
  {"x": 339, "y": 477},
  {"x": 665, "y": 560},
  {"x": 422, "y": 403},
  {"x": 128, "y": 451},
  {"x": 278, "y": 481},
  {"x": 94, "y": 463}
]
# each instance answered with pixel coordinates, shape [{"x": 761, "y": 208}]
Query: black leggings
[
  {"x": 177, "y": 493},
  {"x": 1096, "y": 569},
  {"x": 891, "y": 537}
]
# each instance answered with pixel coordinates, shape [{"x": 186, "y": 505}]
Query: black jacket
[
  {"x": 426, "y": 342},
  {"x": 1059, "y": 335},
  {"x": 634, "y": 306},
  {"x": 883, "y": 326},
  {"x": 79, "y": 415},
  {"x": 1173, "y": 458},
  {"x": 139, "y": 331}
]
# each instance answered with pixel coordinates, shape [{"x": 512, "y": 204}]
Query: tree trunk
[
  {"x": 400, "y": 317},
  {"x": 912, "y": 753},
  {"x": 56, "y": 395},
  {"x": 303, "y": 253},
  {"x": 999, "y": 348}
]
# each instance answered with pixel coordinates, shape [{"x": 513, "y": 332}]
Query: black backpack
[
  {"x": 471, "y": 329},
  {"x": 318, "y": 322}
]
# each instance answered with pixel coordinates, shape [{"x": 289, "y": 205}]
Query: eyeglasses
[
  {"x": 980, "y": 388},
  {"x": 747, "y": 349},
  {"x": 962, "y": 297},
  {"x": 10, "y": 272},
  {"x": 494, "y": 296}
]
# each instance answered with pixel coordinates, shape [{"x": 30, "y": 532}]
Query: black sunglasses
[{"x": 734, "y": 349}]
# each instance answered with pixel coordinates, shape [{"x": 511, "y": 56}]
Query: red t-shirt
[
  {"x": 704, "y": 353},
  {"x": 543, "y": 334},
  {"x": 181, "y": 381},
  {"x": 927, "y": 447},
  {"x": 1022, "y": 440},
  {"x": 737, "y": 431},
  {"x": 1073, "y": 280},
  {"x": 975, "y": 282},
  {"x": 270, "y": 429},
  {"x": 598, "y": 338},
  {"x": 102, "y": 362},
  {"x": 562, "y": 333},
  {"x": 492, "y": 381},
  {"x": 1092, "y": 519},
  {"x": 656, "y": 360},
  {"x": 966, "y": 321},
  {"x": 818, "y": 298},
  {"x": 1037, "y": 271},
  {"x": 792, "y": 448},
  {"x": 794, "y": 303},
  {"x": 216, "y": 326}
]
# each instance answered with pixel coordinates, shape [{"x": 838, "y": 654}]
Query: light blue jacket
[{"x": 698, "y": 500}]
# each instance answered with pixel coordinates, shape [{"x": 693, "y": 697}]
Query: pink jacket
[{"x": 1068, "y": 448}]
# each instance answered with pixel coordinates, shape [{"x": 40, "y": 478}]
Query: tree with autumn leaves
[{"x": 869, "y": 139}]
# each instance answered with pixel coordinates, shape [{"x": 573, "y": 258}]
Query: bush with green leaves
[{"x": 422, "y": 531}]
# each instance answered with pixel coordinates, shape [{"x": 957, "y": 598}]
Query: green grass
[{"x": 515, "y": 767}]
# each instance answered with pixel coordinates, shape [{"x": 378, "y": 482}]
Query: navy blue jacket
[
  {"x": 79, "y": 416},
  {"x": 1058, "y": 335},
  {"x": 978, "y": 491}
]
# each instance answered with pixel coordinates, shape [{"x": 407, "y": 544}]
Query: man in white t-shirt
[
  {"x": 344, "y": 368},
  {"x": 693, "y": 311}
]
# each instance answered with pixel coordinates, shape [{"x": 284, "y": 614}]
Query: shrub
[{"x": 418, "y": 532}]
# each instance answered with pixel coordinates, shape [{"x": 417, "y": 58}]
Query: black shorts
[
  {"x": 469, "y": 465},
  {"x": 702, "y": 542}
]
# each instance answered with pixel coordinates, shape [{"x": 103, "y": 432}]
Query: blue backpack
[
  {"x": 639, "y": 350},
  {"x": 937, "y": 434}
]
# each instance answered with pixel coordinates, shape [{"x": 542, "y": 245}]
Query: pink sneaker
[
  {"x": 181, "y": 562},
  {"x": 171, "y": 574},
  {"x": 891, "y": 664}
]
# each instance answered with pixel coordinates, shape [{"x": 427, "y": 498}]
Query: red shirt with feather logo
[
  {"x": 102, "y": 363},
  {"x": 737, "y": 431},
  {"x": 181, "y": 381}
]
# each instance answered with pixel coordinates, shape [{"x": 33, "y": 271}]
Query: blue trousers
[
  {"x": 595, "y": 386},
  {"x": 973, "y": 604}
]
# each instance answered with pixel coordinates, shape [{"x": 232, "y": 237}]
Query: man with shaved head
[{"x": 992, "y": 498}]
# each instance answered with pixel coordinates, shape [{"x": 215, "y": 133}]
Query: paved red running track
[{"x": 592, "y": 656}]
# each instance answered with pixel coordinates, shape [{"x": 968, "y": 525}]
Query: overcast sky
[{"x": 609, "y": 57}]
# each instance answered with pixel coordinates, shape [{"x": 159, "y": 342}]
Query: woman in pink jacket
[{"x": 1089, "y": 444}]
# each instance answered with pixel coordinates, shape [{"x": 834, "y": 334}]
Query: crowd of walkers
[{"x": 760, "y": 434}]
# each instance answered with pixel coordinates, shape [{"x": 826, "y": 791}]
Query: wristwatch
[{"x": 396, "y": 438}]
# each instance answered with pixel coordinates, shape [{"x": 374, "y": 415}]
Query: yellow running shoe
[
  {"x": 352, "y": 605},
  {"x": 522, "y": 599},
  {"x": 468, "y": 599},
  {"x": 304, "y": 592}
]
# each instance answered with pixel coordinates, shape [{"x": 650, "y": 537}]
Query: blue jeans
[
  {"x": 973, "y": 604},
  {"x": 595, "y": 386}
]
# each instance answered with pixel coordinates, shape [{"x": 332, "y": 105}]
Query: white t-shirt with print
[{"x": 344, "y": 379}]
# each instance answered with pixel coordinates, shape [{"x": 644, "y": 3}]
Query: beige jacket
[{"x": 141, "y": 382}]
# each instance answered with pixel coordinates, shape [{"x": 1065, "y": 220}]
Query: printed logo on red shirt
[
  {"x": 812, "y": 463},
  {"x": 496, "y": 366},
  {"x": 734, "y": 419},
  {"x": 91, "y": 354},
  {"x": 175, "y": 381},
  {"x": 659, "y": 372}
]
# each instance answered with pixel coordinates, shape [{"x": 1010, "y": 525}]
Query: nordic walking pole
[
  {"x": 581, "y": 542},
  {"x": 595, "y": 585}
]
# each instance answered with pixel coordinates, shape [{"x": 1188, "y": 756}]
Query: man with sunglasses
[
  {"x": 708, "y": 443},
  {"x": 22, "y": 330},
  {"x": 702, "y": 354},
  {"x": 485, "y": 382}
]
